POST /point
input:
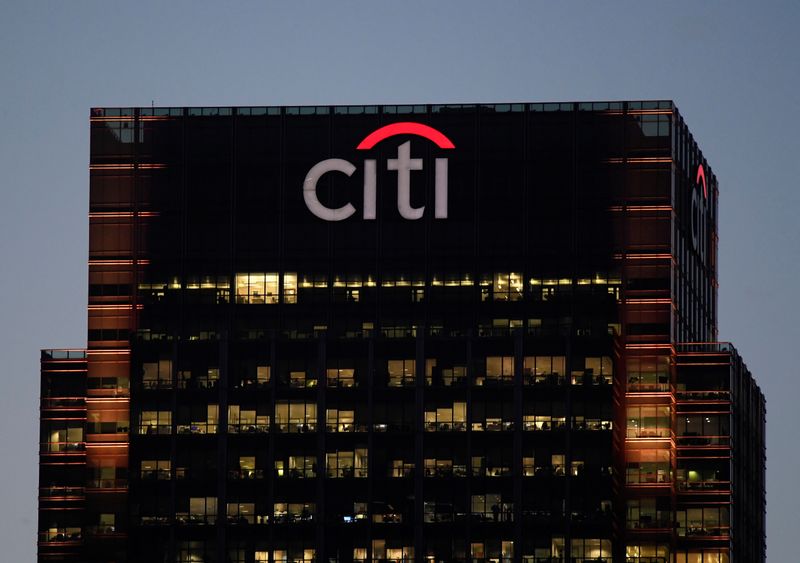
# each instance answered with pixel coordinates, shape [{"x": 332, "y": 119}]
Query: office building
[{"x": 479, "y": 333}]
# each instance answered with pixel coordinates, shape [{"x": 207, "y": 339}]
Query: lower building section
[{"x": 506, "y": 448}]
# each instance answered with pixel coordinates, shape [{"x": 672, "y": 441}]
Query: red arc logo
[
  {"x": 701, "y": 177},
  {"x": 406, "y": 128}
]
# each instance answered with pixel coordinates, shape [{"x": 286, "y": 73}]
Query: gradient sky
[{"x": 733, "y": 69}]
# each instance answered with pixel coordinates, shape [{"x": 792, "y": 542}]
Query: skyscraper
[{"x": 401, "y": 333}]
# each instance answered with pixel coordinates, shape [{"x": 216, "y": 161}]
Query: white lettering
[
  {"x": 440, "y": 200},
  {"x": 404, "y": 164},
  {"x": 370, "y": 195},
  {"x": 310, "y": 189}
]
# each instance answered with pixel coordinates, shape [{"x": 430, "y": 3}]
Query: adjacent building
[{"x": 480, "y": 333}]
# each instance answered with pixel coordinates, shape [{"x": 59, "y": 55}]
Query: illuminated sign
[
  {"x": 699, "y": 213},
  {"x": 403, "y": 165}
]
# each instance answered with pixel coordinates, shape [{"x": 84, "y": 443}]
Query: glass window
[
  {"x": 649, "y": 422},
  {"x": 507, "y": 286},
  {"x": 258, "y": 289},
  {"x": 155, "y": 422},
  {"x": 341, "y": 377},
  {"x": 343, "y": 464},
  {"x": 447, "y": 418},
  {"x": 401, "y": 372},
  {"x": 296, "y": 416},
  {"x": 544, "y": 370},
  {"x": 157, "y": 375},
  {"x": 500, "y": 369}
]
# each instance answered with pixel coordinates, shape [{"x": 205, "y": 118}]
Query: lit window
[
  {"x": 340, "y": 420},
  {"x": 296, "y": 416},
  {"x": 341, "y": 377},
  {"x": 447, "y": 418},
  {"x": 258, "y": 289},
  {"x": 243, "y": 420},
  {"x": 290, "y": 288},
  {"x": 401, "y": 372},
  {"x": 155, "y": 422},
  {"x": 500, "y": 369},
  {"x": 156, "y": 469},
  {"x": 347, "y": 463},
  {"x": 507, "y": 287},
  {"x": 544, "y": 370}
]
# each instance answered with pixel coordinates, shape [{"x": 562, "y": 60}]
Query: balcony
[
  {"x": 690, "y": 439},
  {"x": 61, "y": 536},
  {"x": 63, "y": 447},
  {"x": 61, "y": 493},
  {"x": 60, "y": 403},
  {"x": 704, "y": 486},
  {"x": 710, "y": 396},
  {"x": 106, "y": 484}
]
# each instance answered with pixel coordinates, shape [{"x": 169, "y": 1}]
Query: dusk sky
[{"x": 732, "y": 68}]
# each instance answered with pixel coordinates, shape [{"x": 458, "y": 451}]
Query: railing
[
  {"x": 496, "y": 425},
  {"x": 245, "y": 474},
  {"x": 347, "y": 472},
  {"x": 636, "y": 385},
  {"x": 703, "y": 486},
  {"x": 705, "y": 347},
  {"x": 157, "y": 384},
  {"x": 716, "y": 530},
  {"x": 452, "y": 471},
  {"x": 394, "y": 427},
  {"x": 61, "y": 492},
  {"x": 697, "y": 396},
  {"x": 293, "y": 517},
  {"x": 533, "y": 379},
  {"x": 107, "y": 483},
  {"x": 647, "y": 477},
  {"x": 251, "y": 384},
  {"x": 247, "y": 428},
  {"x": 195, "y": 519},
  {"x": 661, "y": 522},
  {"x": 439, "y": 517},
  {"x": 197, "y": 428},
  {"x": 445, "y": 427},
  {"x": 63, "y": 447},
  {"x": 54, "y": 354},
  {"x": 297, "y": 473},
  {"x": 156, "y": 474},
  {"x": 345, "y": 427},
  {"x": 64, "y": 535},
  {"x": 700, "y": 441},
  {"x": 155, "y": 429},
  {"x": 592, "y": 424},
  {"x": 154, "y": 520},
  {"x": 63, "y": 402},
  {"x": 300, "y": 426},
  {"x": 197, "y": 383},
  {"x": 663, "y": 432}
]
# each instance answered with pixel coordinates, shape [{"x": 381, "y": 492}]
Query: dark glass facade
[{"x": 402, "y": 333}]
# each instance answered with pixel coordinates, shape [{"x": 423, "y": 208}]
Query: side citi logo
[
  {"x": 699, "y": 213},
  {"x": 403, "y": 164}
]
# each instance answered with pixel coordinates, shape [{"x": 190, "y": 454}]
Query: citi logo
[
  {"x": 403, "y": 164},
  {"x": 699, "y": 212}
]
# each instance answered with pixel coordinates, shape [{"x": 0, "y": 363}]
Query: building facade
[{"x": 401, "y": 333}]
